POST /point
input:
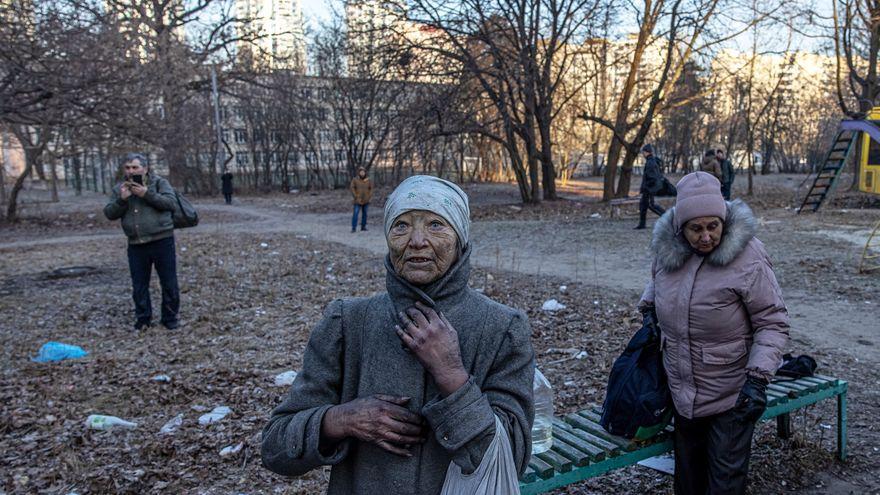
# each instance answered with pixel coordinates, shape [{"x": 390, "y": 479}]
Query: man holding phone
[{"x": 145, "y": 202}]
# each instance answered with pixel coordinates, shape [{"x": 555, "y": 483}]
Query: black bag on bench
[
  {"x": 638, "y": 403},
  {"x": 797, "y": 367}
]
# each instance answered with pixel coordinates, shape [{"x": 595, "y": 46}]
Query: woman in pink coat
[{"x": 724, "y": 325}]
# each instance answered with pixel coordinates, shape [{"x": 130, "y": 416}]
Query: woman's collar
[{"x": 404, "y": 294}]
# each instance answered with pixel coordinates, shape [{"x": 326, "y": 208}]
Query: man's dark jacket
[{"x": 652, "y": 179}]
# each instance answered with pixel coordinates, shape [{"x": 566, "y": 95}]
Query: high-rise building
[{"x": 277, "y": 28}]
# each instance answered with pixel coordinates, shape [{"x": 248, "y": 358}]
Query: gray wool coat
[
  {"x": 354, "y": 352},
  {"x": 721, "y": 315}
]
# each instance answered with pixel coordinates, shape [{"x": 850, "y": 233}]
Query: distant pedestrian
[
  {"x": 652, "y": 181},
  {"x": 144, "y": 201},
  {"x": 727, "y": 173},
  {"x": 362, "y": 193},
  {"x": 226, "y": 179},
  {"x": 711, "y": 165}
]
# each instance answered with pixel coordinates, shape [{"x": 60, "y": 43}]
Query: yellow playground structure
[{"x": 866, "y": 134}]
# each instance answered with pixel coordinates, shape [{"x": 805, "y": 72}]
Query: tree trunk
[
  {"x": 55, "y": 183},
  {"x": 611, "y": 160},
  {"x": 626, "y": 174},
  {"x": 549, "y": 171},
  {"x": 3, "y": 144},
  {"x": 12, "y": 205}
]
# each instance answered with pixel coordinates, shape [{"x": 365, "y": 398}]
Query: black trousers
[
  {"x": 712, "y": 454},
  {"x": 141, "y": 260},
  {"x": 725, "y": 190},
  {"x": 647, "y": 203},
  {"x": 228, "y": 197}
]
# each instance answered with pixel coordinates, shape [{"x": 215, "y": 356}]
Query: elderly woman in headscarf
[
  {"x": 396, "y": 386},
  {"x": 723, "y": 327}
]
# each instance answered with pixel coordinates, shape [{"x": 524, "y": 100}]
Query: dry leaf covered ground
[{"x": 250, "y": 297}]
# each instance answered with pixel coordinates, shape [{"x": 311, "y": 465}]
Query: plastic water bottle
[
  {"x": 542, "y": 431},
  {"x": 102, "y": 422}
]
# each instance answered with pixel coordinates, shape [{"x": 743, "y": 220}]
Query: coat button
[{"x": 446, "y": 437}]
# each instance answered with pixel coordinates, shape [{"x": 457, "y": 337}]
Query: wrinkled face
[
  {"x": 703, "y": 233},
  {"x": 134, "y": 167},
  {"x": 422, "y": 245}
]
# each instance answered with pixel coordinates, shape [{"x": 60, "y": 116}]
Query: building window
[
  {"x": 241, "y": 159},
  {"x": 240, "y": 136}
]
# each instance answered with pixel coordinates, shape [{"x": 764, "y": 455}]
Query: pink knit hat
[{"x": 699, "y": 195}]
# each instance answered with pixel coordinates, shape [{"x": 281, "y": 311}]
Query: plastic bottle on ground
[
  {"x": 102, "y": 422},
  {"x": 542, "y": 430}
]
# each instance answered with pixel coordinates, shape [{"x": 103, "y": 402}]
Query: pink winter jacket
[{"x": 721, "y": 315}]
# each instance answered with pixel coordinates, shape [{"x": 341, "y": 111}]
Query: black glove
[{"x": 752, "y": 400}]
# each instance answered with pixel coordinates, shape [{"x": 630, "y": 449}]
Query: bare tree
[
  {"x": 363, "y": 101},
  {"x": 514, "y": 56}
]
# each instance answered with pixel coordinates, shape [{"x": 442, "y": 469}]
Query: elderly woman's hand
[
  {"x": 380, "y": 419},
  {"x": 434, "y": 342}
]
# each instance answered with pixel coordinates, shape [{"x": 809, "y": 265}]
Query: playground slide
[{"x": 865, "y": 126}]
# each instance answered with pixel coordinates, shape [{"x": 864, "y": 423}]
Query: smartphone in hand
[{"x": 137, "y": 179}]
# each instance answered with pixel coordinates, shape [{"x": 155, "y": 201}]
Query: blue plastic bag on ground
[{"x": 56, "y": 351}]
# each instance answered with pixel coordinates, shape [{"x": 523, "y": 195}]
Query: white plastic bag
[{"x": 496, "y": 474}]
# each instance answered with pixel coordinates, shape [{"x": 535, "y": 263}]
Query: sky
[{"x": 317, "y": 11}]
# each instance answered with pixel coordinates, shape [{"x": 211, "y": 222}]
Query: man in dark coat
[
  {"x": 727, "y": 173},
  {"x": 226, "y": 179},
  {"x": 652, "y": 181}
]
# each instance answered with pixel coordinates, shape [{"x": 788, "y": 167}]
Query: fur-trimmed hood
[{"x": 671, "y": 249}]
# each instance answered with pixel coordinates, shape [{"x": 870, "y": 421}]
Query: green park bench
[{"x": 583, "y": 449}]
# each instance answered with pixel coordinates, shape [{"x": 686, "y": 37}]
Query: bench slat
[
  {"x": 587, "y": 452},
  {"x": 610, "y": 449},
  {"x": 559, "y": 462},
  {"x": 782, "y": 390},
  {"x": 797, "y": 388},
  {"x": 596, "y": 452},
  {"x": 529, "y": 475},
  {"x": 594, "y": 429},
  {"x": 561, "y": 444},
  {"x": 542, "y": 469},
  {"x": 775, "y": 397},
  {"x": 594, "y": 415},
  {"x": 827, "y": 378},
  {"x": 822, "y": 384}
]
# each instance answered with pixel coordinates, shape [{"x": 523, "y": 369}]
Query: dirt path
[
  {"x": 607, "y": 254},
  {"x": 598, "y": 252}
]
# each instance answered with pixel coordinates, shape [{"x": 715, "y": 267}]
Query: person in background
[
  {"x": 144, "y": 202},
  {"x": 396, "y": 386},
  {"x": 723, "y": 329},
  {"x": 711, "y": 165},
  {"x": 226, "y": 188},
  {"x": 362, "y": 193},
  {"x": 652, "y": 181},
  {"x": 728, "y": 174}
]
